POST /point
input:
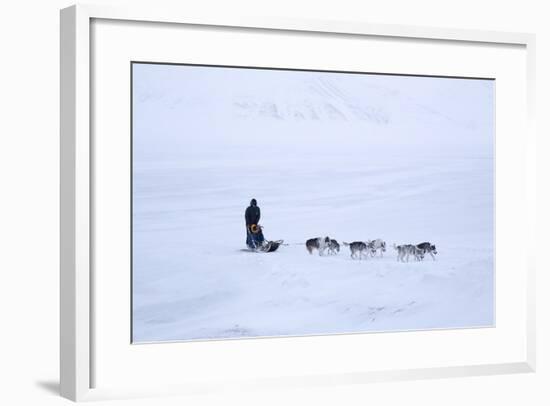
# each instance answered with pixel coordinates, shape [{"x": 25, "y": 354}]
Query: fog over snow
[{"x": 352, "y": 156}]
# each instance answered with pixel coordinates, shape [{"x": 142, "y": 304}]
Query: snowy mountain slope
[
  {"x": 316, "y": 99},
  {"x": 214, "y": 103}
]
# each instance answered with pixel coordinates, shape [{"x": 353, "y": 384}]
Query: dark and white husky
[
  {"x": 377, "y": 245},
  {"x": 428, "y": 248},
  {"x": 321, "y": 244},
  {"x": 406, "y": 250},
  {"x": 334, "y": 247},
  {"x": 357, "y": 249}
]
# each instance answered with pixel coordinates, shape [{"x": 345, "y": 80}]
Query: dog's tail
[
  {"x": 345, "y": 243},
  {"x": 394, "y": 246}
]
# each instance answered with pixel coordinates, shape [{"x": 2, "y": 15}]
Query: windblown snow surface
[{"x": 354, "y": 157}]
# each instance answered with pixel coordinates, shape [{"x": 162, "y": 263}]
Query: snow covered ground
[{"x": 354, "y": 157}]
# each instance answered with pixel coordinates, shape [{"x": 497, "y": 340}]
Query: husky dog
[
  {"x": 321, "y": 244},
  {"x": 406, "y": 250},
  {"x": 429, "y": 248},
  {"x": 376, "y": 245},
  {"x": 357, "y": 249},
  {"x": 333, "y": 247}
]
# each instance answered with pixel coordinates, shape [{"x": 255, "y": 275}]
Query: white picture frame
[{"x": 77, "y": 187}]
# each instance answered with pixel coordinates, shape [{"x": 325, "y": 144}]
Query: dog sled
[
  {"x": 266, "y": 246},
  {"x": 270, "y": 246}
]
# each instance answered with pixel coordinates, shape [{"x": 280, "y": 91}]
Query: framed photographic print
[{"x": 272, "y": 202}]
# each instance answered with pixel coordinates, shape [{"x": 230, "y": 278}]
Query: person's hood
[{"x": 253, "y": 202}]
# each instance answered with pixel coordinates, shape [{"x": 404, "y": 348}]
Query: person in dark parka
[{"x": 252, "y": 218}]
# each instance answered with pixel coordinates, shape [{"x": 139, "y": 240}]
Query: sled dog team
[{"x": 360, "y": 249}]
